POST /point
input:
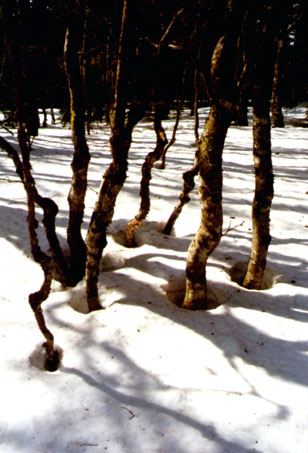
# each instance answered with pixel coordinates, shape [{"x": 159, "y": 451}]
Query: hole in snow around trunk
[{"x": 238, "y": 271}]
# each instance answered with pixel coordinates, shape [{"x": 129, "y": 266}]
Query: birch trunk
[
  {"x": 262, "y": 200},
  {"x": 152, "y": 157},
  {"x": 209, "y": 157},
  {"x": 114, "y": 179},
  {"x": 120, "y": 141},
  {"x": 276, "y": 107},
  {"x": 264, "y": 191},
  {"x": 80, "y": 162},
  {"x": 210, "y": 192},
  {"x": 188, "y": 186}
]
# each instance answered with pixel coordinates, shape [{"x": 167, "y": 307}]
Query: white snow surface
[{"x": 142, "y": 375}]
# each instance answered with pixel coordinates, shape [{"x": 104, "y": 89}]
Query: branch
[
  {"x": 233, "y": 228},
  {"x": 6, "y": 129}
]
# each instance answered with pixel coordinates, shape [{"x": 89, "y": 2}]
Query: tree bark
[
  {"x": 276, "y": 107},
  {"x": 50, "y": 209},
  {"x": 210, "y": 192},
  {"x": 188, "y": 186},
  {"x": 262, "y": 200},
  {"x": 113, "y": 181},
  {"x": 262, "y": 91},
  {"x": 173, "y": 138},
  {"x": 80, "y": 162},
  {"x": 209, "y": 158},
  {"x": 152, "y": 157},
  {"x": 120, "y": 141}
]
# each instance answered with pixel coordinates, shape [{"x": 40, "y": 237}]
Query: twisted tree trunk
[
  {"x": 50, "y": 209},
  {"x": 210, "y": 192},
  {"x": 151, "y": 158},
  {"x": 209, "y": 158},
  {"x": 120, "y": 141},
  {"x": 76, "y": 198},
  {"x": 188, "y": 186}
]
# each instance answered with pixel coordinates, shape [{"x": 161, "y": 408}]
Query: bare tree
[
  {"x": 264, "y": 57},
  {"x": 209, "y": 158},
  {"x": 151, "y": 158},
  {"x": 120, "y": 141},
  {"x": 276, "y": 105},
  {"x": 73, "y": 44}
]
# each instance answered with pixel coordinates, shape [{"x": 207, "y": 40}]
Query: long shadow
[
  {"x": 122, "y": 407},
  {"x": 279, "y": 357}
]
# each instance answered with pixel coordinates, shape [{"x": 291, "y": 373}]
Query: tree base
[
  {"x": 195, "y": 304},
  {"x": 52, "y": 361}
]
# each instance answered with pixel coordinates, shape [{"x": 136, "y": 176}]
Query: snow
[{"x": 142, "y": 375}]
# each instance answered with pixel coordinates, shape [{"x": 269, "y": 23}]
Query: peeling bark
[
  {"x": 151, "y": 158},
  {"x": 76, "y": 198}
]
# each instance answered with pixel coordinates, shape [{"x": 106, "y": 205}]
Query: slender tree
[
  {"x": 152, "y": 157},
  {"x": 264, "y": 57},
  {"x": 120, "y": 141},
  {"x": 276, "y": 99},
  {"x": 209, "y": 157},
  {"x": 14, "y": 15},
  {"x": 73, "y": 44}
]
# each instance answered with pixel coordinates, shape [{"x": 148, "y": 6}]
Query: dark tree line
[{"x": 122, "y": 60}]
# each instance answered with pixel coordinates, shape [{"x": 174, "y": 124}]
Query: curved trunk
[
  {"x": 172, "y": 140},
  {"x": 120, "y": 141},
  {"x": 114, "y": 179},
  {"x": 188, "y": 186},
  {"x": 152, "y": 157},
  {"x": 223, "y": 95},
  {"x": 80, "y": 162},
  {"x": 210, "y": 192}
]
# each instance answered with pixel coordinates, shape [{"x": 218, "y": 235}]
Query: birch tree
[
  {"x": 209, "y": 158},
  {"x": 120, "y": 141}
]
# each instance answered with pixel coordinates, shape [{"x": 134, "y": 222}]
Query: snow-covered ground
[{"x": 143, "y": 376}]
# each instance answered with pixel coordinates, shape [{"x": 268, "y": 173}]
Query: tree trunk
[
  {"x": 53, "y": 118},
  {"x": 80, "y": 162},
  {"x": 50, "y": 209},
  {"x": 172, "y": 140},
  {"x": 120, "y": 141},
  {"x": 45, "y": 124},
  {"x": 114, "y": 179},
  {"x": 262, "y": 91},
  {"x": 188, "y": 186},
  {"x": 262, "y": 200},
  {"x": 152, "y": 157},
  {"x": 196, "y": 103},
  {"x": 276, "y": 108},
  {"x": 223, "y": 95},
  {"x": 210, "y": 192}
]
